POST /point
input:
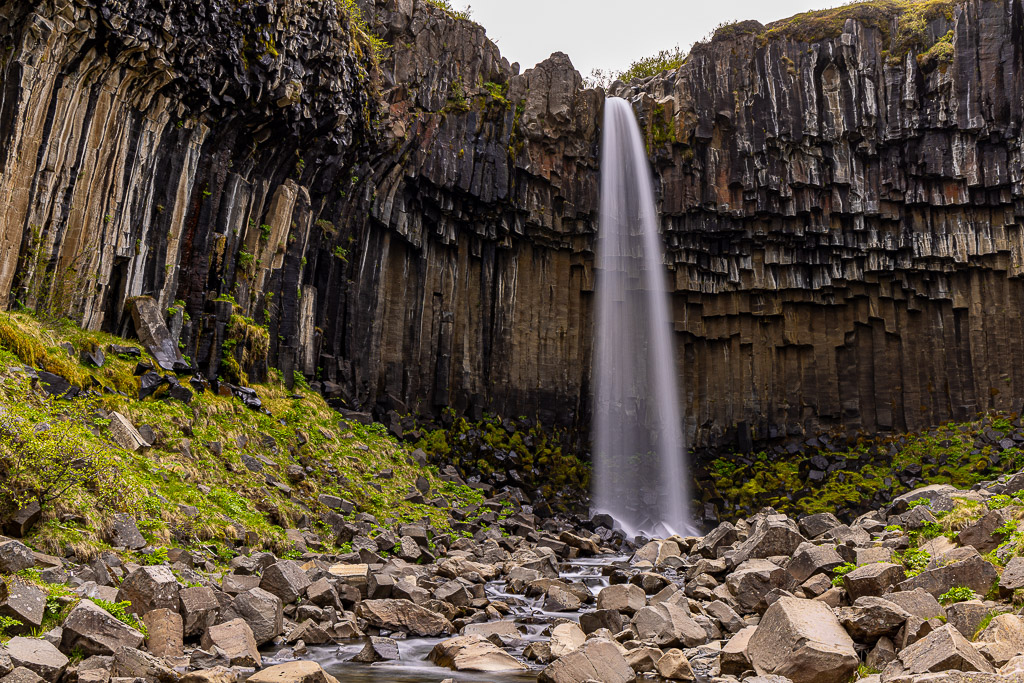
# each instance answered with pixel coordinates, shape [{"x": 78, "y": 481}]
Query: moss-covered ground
[{"x": 192, "y": 487}]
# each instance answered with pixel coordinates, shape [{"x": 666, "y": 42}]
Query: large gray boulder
[
  {"x": 871, "y": 617},
  {"x": 403, "y": 615},
  {"x": 149, "y": 588},
  {"x": 668, "y": 625},
  {"x": 24, "y": 602},
  {"x": 473, "y": 653},
  {"x": 721, "y": 536},
  {"x": 873, "y": 579},
  {"x": 803, "y": 641},
  {"x": 1002, "y": 640},
  {"x": 753, "y": 580},
  {"x": 37, "y": 655},
  {"x": 597, "y": 660},
  {"x": 286, "y": 580},
  {"x": 772, "y": 536},
  {"x": 235, "y": 640},
  {"x": 623, "y": 597},
  {"x": 94, "y": 631},
  {"x": 981, "y": 535},
  {"x": 262, "y": 611},
  {"x": 813, "y": 526},
  {"x": 943, "y": 649},
  {"x": 199, "y": 609},
  {"x": 810, "y": 559},
  {"x": 153, "y": 332},
  {"x": 15, "y": 556}
]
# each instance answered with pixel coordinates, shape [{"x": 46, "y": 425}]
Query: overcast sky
[{"x": 612, "y": 34}]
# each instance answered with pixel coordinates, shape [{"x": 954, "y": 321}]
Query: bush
[
  {"x": 841, "y": 571},
  {"x": 48, "y": 451}
]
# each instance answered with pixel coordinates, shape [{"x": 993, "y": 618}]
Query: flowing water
[
  {"x": 414, "y": 667},
  {"x": 640, "y": 476}
]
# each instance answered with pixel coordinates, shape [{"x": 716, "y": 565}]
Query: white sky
[{"x": 612, "y": 34}]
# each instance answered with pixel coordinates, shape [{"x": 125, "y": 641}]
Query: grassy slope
[{"x": 345, "y": 457}]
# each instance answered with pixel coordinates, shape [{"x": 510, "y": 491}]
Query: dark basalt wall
[{"x": 842, "y": 218}]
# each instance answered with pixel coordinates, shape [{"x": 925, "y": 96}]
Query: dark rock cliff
[{"x": 840, "y": 193}]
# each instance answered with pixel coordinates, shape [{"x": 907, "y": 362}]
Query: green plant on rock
[
  {"x": 664, "y": 60},
  {"x": 841, "y": 571},
  {"x": 998, "y": 502},
  {"x": 957, "y": 594},
  {"x": 119, "y": 610},
  {"x": 449, "y": 10},
  {"x": 914, "y": 560},
  {"x": 918, "y": 503}
]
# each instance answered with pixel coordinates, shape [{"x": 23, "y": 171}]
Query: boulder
[
  {"x": 871, "y": 617},
  {"x": 150, "y": 588},
  {"x": 235, "y": 640},
  {"x": 403, "y": 615},
  {"x": 721, "y": 536},
  {"x": 810, "y": 559},
  {"x": 293, "y": 672},
  {"x": 772, "y": 536},
  {"x": 1012, "y": 578},
  {"x": 753, "y": 580},
  {"x": 165, "y": 638},
  {"x": 136, "y": 664},
  {"x": 674, "y": 666},
  {"x": 473, "y": 653},
  {"x": 873, "y": 579},
  {"x": 981, "y": 535},
  {"x": 624, "y": 597},
  {"x": 262, "y": 611},
  {"x": 94, "y": 631},
  {"x": 803, "y": 641},
  {"x": 735, "y": 659},
  {"x": 1002, "y": 640},
  {"x": 38, "y": 656},
  {"x": 725, "y": 615},
  {"x": 644, "y": 658},
  {"x": 153, "y": 333},
  {"x": 598, "y": 660},
  {"x": 669, "y": 625},
  {"x": 967, "y": 616},
  {"x": 24, "y": 602},
  {"x": 15, "y": 556},
  {"x": 918, "y": 602},
  {"x": 602, "y": 618},
  {"x": 22, "y": 521},
  {"x": 199, "y": 608},
  {"x": 941, "y": 650},
  {"x": 561, "y": 600},
  {"x": 813, "y": 526},
  {"x": 565, "y": 638},
  {"x": 22, "y": 675},
  {"x": 286, "y": 580},
  {"x": 972, "y": 571},
  {"x": 377, "y": 649}
]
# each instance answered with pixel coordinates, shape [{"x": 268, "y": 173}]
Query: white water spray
[{"x": 640, "y": 476}]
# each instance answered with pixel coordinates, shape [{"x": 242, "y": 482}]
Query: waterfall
[{"x": 640, "y": 475}]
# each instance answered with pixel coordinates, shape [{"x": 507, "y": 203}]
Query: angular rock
[
  {"x": 873, "y": 579},
  {"x": 22, "y": 675},
  {"x": 150, "y": 588},
  {"x": 813, "y": 526},
  {"x": 565, "y": 638},
  {"x": 122, "y": 533},
  {"x": 967, "y": 616},
  {"x": 753, "y": 580},
  {"x": 262, "y": 611},
  {"x": 22, "y": 521},
  {"x": 292, "y": 672},
  {"x": 674, "y": 666},
  {"x": 601, "y": 618},
  {"x": 125, "y": 434},
  {"x": 668, "y": 625},
  {"x": 973, "y": 572},
  {"x": 918, "y": 602},
  {"x": 1002, "y": 639},
  {"x": 735, "y": 658},
  {"x": 810, "y": 559},
  {"x": 624, "y": 597},
  {"x": 165, "y": 637},
  {"x": 199, "y": 608},
  {"x": 403, "y": 615},
  {"x": 803, "y": 641},
  {"x": 15, "y": 556},
  {"x": 1012, "y": 578},
  {"x": 473, "y": 653},
  {"x": 720, "y": 537},
  {"x": 771, "y": 536},
  {"x": 981, "y": 535},
  {"x": 286, "y": 580},
  {"x": 597, "y": 660},
  {"x": 24, "y": 602},
  {"x": 942, "y": 650},
  {"x": 153, "y": 332},
  {"x": 132, "y": 663},
  {"x": 377, "y": 649},
  {"x": 38, "y": 656},
  {"x": 94, "y": 631},
  {"x": 235, "y": 640},
  {"x": 871, "y": 618}
]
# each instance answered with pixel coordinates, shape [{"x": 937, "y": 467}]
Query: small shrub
[
  {"x": 119, "y": 610},
  {"x": 957, "y": 594},
  {"x": 5, "y": 624},
  {"x": 841, "y": 571},
  {"x": 915, "y": 560},
  {"x": 920, "y": 501},
  {"x": 999, "y": 502}
]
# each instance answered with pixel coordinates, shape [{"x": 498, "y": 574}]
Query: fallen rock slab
[
  {"x": 473, "y": 653},
  {"x": 293, "y": 672},
  {"x": 941, "y": 650},
  {"x": 94, "y": 631},
  {"x": 403, "y": 615},
  {"x": 39, "y": 656},
  {"x": 598, "y": 660}
]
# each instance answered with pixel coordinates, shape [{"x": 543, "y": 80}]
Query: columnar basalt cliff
[{"x": 840, "y": 195}]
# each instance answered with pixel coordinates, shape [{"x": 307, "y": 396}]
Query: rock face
[{"x": 841, "y": 213}]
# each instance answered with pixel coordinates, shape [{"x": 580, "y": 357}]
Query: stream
[{"x": 414, "y": 667}]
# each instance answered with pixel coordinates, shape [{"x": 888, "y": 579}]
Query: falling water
[{"x": 640, "y": 476}]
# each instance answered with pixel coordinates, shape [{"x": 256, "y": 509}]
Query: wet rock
[
  {"x": 803, "y": 641},
  {"x": 94, "y": 631},
  {"x": 597, "y": 660},
  {"x": 377, "y": 649},
  {"x": 473, "y": 653},
  {"x": 403, "y": 615},
  {"x": 561, "y": 600}
]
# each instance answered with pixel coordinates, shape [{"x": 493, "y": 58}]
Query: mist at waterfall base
[{"x": 640, "y": 475}]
